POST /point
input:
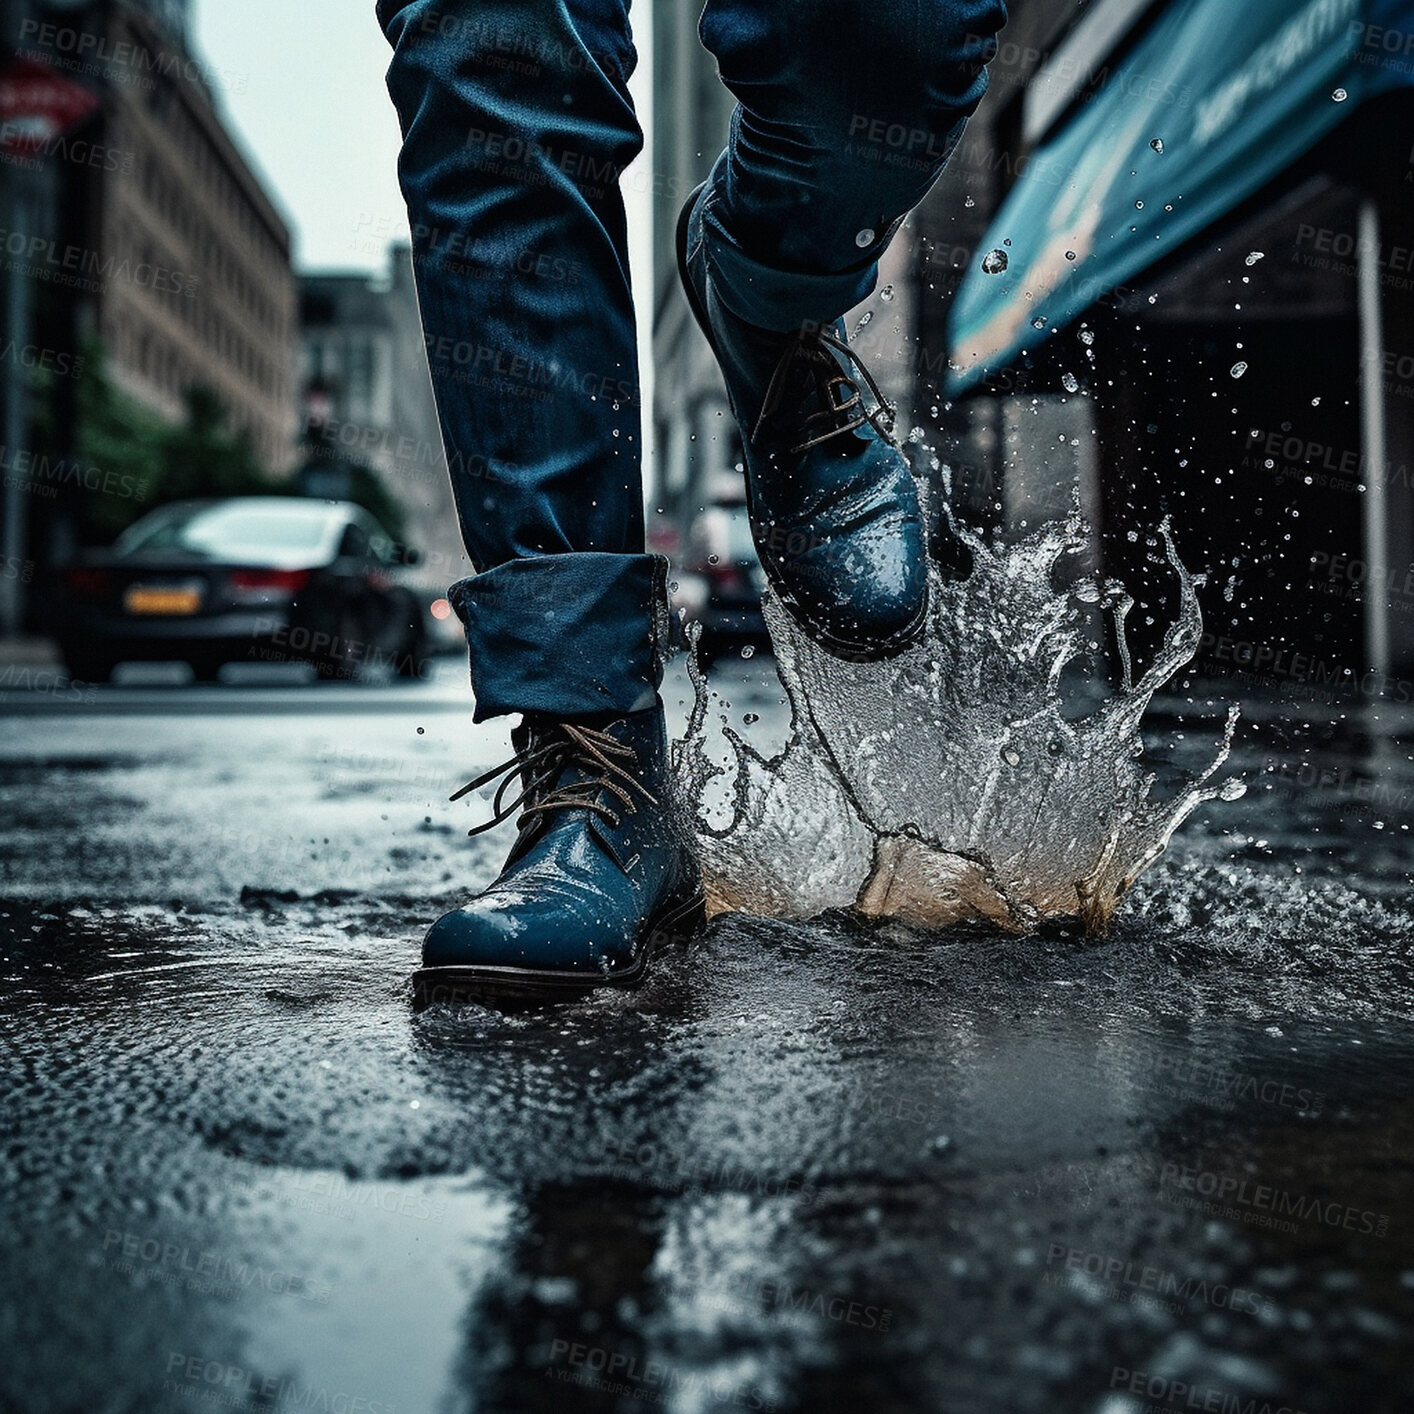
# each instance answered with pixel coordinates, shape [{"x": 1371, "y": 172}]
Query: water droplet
[
  {"x": 1070, "y": 383},
  {"x": 748, "y": 651},
  {"x": 1315, "y": 402},
  {"x": 969, "y": 203},
  {"x": 421, "y": 731},
  {"x": 713, "y": 559},
  {"x": 1158, "y": 145},
  {"x": 864, "y": 238},
  {"x": 1087, "y": 336},
  {"x": 1039, "y": 322},
  {"x": 1255, "y": 256},
  {"x": 1055, "y": 746},
  {"x": 1070, "y": 255},
  {"x": 1011, "y": 756},
  {"x": 865, "y": 320},
  {"x": 1138, "y": 205},
  {"x": 994, "y": 262},
  {"x": 1339, "y": 96},
  {"x": 887, "y": 294},
  {"x": 1238, "y": 369},
  {"x": 1232, "y": 790}
]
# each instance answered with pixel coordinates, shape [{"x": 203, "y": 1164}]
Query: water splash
[{"x": 947, "y": 784}]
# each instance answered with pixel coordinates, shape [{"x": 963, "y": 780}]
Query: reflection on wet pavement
[{"x": 825, "y": 1165}]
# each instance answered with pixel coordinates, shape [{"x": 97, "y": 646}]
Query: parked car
[
  {"x": 248, "y": 579},
  {"x": 720, "y": 581}
]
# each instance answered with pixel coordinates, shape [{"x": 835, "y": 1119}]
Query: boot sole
[
  {"x": 896, "y": 643},
  {"x": 535, "y": 986}
]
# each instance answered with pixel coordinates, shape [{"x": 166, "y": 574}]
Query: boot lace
[
  {"x": 603, "y": 759},
  {"x": 844, "y": 406}
]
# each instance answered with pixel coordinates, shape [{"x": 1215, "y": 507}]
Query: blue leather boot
[
  {"x": 602, "y": 873},
  {"x": 834, "y": 511}
]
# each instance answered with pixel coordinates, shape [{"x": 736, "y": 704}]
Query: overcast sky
[{"x": 301, "y": 82}]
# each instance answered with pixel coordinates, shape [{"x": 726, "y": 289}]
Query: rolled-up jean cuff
[{"x": 569, "y": 635}]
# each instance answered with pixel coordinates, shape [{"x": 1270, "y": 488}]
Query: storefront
[{"x": 1210, "y": 248}]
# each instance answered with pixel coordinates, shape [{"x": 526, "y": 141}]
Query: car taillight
[
  {"x": 282, "y": 581},
  {"x": 85, "y": 583}
]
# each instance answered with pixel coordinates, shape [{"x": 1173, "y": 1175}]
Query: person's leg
[
  {"x": 847, "y": 111},
  {"x": 516, "y": 124}
]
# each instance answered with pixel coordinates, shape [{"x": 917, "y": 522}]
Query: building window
[{"x": 361, "y": 369}]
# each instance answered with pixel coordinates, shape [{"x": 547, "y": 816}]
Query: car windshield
[{"x": 231, "y": 531}]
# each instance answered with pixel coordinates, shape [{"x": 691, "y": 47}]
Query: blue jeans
[{"x": 516, "y": 125}]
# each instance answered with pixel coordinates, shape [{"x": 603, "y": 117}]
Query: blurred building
[
  {"x": 129, "y": 214},
  {"x": 173, "y": 15},
  {"x": 168, "y": 246},
  {"x": 696, "y": 438},
  {"x": 219, "y": 307},
  {"x": 367, "y": 398},
  {"x": 1173, "y": 265}
]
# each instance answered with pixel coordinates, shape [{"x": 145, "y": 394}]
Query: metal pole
[
  {"x": 1372, "y": 417},
  {"x": 17, "y": 300}
]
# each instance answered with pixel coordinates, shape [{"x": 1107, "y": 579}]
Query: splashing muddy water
[{"x": 948, "y": 784}]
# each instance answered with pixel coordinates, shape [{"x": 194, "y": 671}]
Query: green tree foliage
[
  {"x": 114, "y": 435},
  {"x": 201, "y": 458},
  {"x": 152, "y": 462}
]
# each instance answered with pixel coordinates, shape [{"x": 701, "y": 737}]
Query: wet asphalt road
[{"x": 819, "y": 1168}]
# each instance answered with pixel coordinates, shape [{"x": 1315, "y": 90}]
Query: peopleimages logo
[
  {"x": 1134, "y": 1279},
  {"x": 1179, "y": 1394},
  {"x": 505, "y": 369},
  {"x": 239, "y": 1387},
  {"x": 202, "y": 1270},
  {"x": 1263, "y": 1198},
  {"x": 1188, "y": 1076},
  {"x": 648, "y": 1382},
  {"x": 45, "y": 259},
  {"x": 124, "y": 61}
]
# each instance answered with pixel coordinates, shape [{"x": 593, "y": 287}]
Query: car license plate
[{"x": 174, "y": 599}]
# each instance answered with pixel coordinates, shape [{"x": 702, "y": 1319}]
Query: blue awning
[{"x": 1217, "y": 99}]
